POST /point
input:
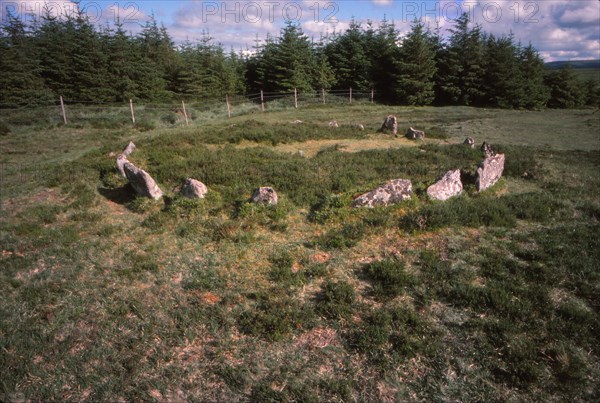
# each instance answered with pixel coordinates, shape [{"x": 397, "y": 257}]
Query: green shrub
[
  {"x": 337, "y": 300},
  {"x": 328, "y": 208},
  {"x": 281, "y": 272},
  {"x": 389, "y": 277},
  {"x": 346, "y": 237},
  {"x": 274, "y": 318}
]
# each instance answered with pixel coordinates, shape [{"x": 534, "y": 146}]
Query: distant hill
[
  {"x": 576, "y": 64},
  {"x": 586, "y": 69}
]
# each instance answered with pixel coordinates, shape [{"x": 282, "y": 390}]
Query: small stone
[
  {"x": 392, "y": 192},
  {"x": 487, "y": 150},
  {"x": 297, "y": 122},
  {"x": 141, "y": 181},
  {"x": 469, "y": 141},
  {"x": 490, "y": 171},
  {"x": 333, "y": 123},
  {"x": 360, "y": 127},
  {"x": 414, "y": 134},
  {"x": 194, "y": 189},
  {"x": 265, "y": 195},
  {"x": 390, "y": 123},
  {"x": 448, "y": 186}
]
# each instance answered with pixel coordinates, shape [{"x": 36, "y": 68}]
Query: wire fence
[{"x": 188, "y": 111}]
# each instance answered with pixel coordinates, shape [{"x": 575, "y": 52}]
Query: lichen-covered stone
[
  {"x": 265, "y": 195},
  {"x": 390, "y": 123},
  {"x": 194, "y": 189},
  {"x": 490, "y": 171},
  {"x": 415, "y": 134},
  {"x": 392, "y": 192},
  {"x": 122, "y": 158},
  {"x": 469, "y": 141},
  {"x": 141, "y": 181},
  {"x": 448, "y": 186},
  {"x": 333, "y": 123},
  {"x": 487, "y": 150}
]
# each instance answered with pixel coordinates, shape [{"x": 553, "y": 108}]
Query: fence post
[
  {"x": 350, "y": 94},
  {"x": 131, "y": 109},
  {"x": 62, "y": 106},
  {"x": 295, "y": 98},
  {"x": 372, "y": 94},
  {"x": 187, "y": 123},
  {"x": 228, "y": 106},
  {"x": 323, "y": 94},
  {"x": 262, "y": 101}
]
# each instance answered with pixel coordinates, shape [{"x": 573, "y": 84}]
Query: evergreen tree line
[{"x": 73, "y": 58}]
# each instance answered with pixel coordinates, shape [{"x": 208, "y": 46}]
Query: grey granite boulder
[
  {"x": 265, "y": 195},
  {"x": 122, "y": 158},
  {"x": 390, "y": 123},
  {"x": 194, "y": 189},
  {"x": 448, "y": 186},
  {"x": 490, "y": 171},
  {"x": 141, "y": 181},
  {"x": 392, "y": 192},
  {"x": 487, "y": 150},
  {"x": 415, "y": 134}
]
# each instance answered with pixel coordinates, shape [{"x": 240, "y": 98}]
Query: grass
[{"x": 484, "y": 297}]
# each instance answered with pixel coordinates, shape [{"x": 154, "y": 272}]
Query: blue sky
[{"x": 559, "y": 29}]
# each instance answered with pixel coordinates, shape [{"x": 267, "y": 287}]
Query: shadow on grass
[{"x": 123, "y": 195}]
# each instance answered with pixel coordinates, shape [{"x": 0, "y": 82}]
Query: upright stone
[
  {"x": 490, "y": 171},
  {"x": 122, "y": 158},
  {"x": 333, "y": 123},
  {"x": 415, "y": 134},
  {"x": 487, "y": 150},
  {"x": 469, "y": 141},
  {"x": 390, "y": 123},
  {"x": 141, "y": 181},
  {"x": 448, "y": 186},
  {"x": 392, "y": 192},
  {"x": 194, "y": 189},
  {"x": 265, "y": 195}
]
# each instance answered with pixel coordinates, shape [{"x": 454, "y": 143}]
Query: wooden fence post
[
  {"x": 262, "y": 101},
  {"x": 187, "y": 123},
  {"x": 323, "y": 94},
  {"x": 295, "y": 98},
  {"x": 350, "y": 94},
  {"x": 228, "y": 106},
  {"x": 131, "y": 109},
  {"x": 62, "y": 106}
]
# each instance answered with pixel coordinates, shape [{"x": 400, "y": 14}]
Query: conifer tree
[
  {"x": 503, "y": 78},
  {"x": 535, "y": 93},
  {"x": 20, "y": 83},
  {"x": 565, "y": 88},
  {"x": 416, "y": 65}
]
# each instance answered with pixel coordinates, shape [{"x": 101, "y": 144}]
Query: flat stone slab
[
  {"x": 394, "y": 191},
  {"x": 415, "y": 134},
  {"x": 448, "y": 186}
]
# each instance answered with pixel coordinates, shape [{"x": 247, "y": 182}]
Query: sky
[{"x": 559, "y": 29}]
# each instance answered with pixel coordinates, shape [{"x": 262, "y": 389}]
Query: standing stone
[
  {"x": 360, "y": 127},
  {"x": 469, "y": 141},
  {"x": 447, "y": 187},
  {"x": 333, "y": 123},
  {"x": 141, "y": 181},
  {"x": 487, "y": 150},
  {"x": 489, "y": 171},
  {"x": 122, "y": 158},
  {"x": 265, "y": 195},
  {"x": 194, "y": 189},
  {"x": 414, "y": 134},
  {"x": 392, "y": 192},
  {"x": 390, "y": 123}
]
